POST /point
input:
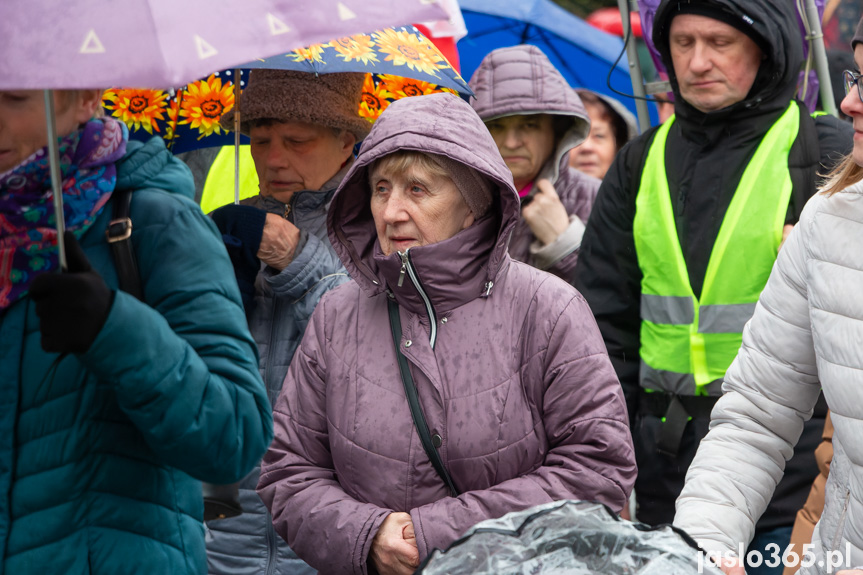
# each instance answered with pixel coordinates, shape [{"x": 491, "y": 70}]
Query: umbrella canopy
[
  {"x": 165, "y": 43},
  {"x": 582, "y": 53},
  {"x": 399, "y": 62},
  {"x": 609, "y": 20},
  {"x": 573, "y": 537}
]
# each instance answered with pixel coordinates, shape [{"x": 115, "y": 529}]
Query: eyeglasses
[{"x": 850, "y": 78}]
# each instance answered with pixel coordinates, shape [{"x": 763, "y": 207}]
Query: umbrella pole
[
  {"x": 56, "y": 182},
  {"x": 237, "y": 77},
  {"x": 634, "y": 69},
  {"x": 816, "y": 38}
]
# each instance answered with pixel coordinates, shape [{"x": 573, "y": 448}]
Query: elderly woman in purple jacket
[
  {"x": 536, "y": 119},
  {"x": 509, "y": 368}
]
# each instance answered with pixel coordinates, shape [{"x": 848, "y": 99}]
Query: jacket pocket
[{"x": 840, "y": 523}]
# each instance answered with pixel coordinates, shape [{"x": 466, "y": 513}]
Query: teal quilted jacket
[{"x": 101, "y": 454}]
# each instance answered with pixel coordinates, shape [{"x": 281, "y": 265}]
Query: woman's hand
[
  {"x": 545, "y": 213},
  {"x": 394, "y": 548},
  {"x": 72, "y": 306}
]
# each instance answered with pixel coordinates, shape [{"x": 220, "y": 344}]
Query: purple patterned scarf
[{"x": 28, "y": 236}]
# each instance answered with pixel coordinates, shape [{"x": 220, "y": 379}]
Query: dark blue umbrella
[{"x": 582, "y": 53}]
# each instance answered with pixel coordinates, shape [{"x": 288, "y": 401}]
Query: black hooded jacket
[{"x": 706, "y": 154}]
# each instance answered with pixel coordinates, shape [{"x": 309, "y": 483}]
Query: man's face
[
  {"x": 294, "y": 156},
  {"x": 525, "y": 143},
  {"x": 715, "y": 63}
]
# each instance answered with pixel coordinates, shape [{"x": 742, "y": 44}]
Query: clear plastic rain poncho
[{"x": 572, "y": 538}]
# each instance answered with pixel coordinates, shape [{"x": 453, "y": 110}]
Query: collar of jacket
[
  {"x": 452, "y": 272},
  {"x": 556, "y": 169},
  {"x": 711, "y": 132},
  {"x": 306, "y": 200}
]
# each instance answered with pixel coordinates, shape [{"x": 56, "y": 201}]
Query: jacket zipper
[
  {"x": 408, "y": 268},
  {"x": 272, "y": 340},
  {"x": 271, "y": 546},
  {"x": 841, "y": 524},
  {"x": 272, "y": 543},
  {"x": 274, "y": 315}
]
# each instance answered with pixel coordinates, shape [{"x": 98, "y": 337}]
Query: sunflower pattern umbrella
[
  {"x": 186, "y": 119},
  {"x": 399, "y": 62}
]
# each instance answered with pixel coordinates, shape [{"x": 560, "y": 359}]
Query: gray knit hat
[{"x": 331, "y": 100}]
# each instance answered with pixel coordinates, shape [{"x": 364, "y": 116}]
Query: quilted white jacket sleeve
[{"x": 769, "y": 391}]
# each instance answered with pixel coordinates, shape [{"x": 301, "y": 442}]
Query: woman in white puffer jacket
[{"x": 807, "y": 333}]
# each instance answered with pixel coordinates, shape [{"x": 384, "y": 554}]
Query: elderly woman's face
[
  {"x": 525, "y": 143},
  {"x": 22, "y": 121},
  {"x": 294, "y": 156},
  {"x": 415, "y": 208}
]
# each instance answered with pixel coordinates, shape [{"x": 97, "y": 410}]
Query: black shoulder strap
[
  {"x": 414, "y": 402},
  {"x": 639, "y": 149},
  {"x": 119, "y": 235},
  {"x": 804, "y": 161}
]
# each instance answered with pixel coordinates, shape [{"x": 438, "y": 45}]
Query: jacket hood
[
  {"x": 775, "y": 23},
  {"x": 520, "y": 80},
  {"x": 151, "y": 165},
  {"x": 455, "y": 270}
]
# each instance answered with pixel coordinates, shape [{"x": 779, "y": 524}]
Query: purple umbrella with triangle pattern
[{"x": 80, "y": 44}]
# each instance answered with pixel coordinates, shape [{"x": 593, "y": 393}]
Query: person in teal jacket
[{"x": 113, "y": 409}]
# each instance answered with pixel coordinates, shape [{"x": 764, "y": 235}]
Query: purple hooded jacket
[
  {"x": 518, "y": 383},
  {"x": 520, "y": 80}
]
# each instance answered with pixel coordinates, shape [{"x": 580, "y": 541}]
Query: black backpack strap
[
  {"x": 804, "y": 163},
  {"x": 119, "y": 234},
  {"x": 414, "y": 402}
]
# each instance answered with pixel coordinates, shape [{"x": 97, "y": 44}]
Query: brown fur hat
[{"x": 331, "y": 100}]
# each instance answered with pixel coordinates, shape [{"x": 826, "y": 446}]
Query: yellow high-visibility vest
[
  {"x": 687, "y": 343},
  {"x": 219, "y": 186}
]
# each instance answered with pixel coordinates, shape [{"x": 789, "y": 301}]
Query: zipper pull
[
  {"x": 404, "y": 269},
  {"x": 287, "y": 210}
]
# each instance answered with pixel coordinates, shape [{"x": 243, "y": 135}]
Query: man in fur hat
[{"x": 303, "y": 129}]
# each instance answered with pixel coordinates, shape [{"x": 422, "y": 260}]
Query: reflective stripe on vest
[{"x": 687, "y": 344}]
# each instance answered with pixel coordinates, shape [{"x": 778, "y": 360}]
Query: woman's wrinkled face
[
  {"x": 23, "y": 130},
  {"x": 525, "y": 143},
  {"x": 595, "y": 154},
  {"x": 415, "y": 208}
]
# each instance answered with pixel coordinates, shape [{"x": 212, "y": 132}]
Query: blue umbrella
[{"x": 582, "y": 53}]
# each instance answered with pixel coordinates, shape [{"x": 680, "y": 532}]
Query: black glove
[
  {"x": 73, "y": 305},
  {"x": 242, "y": 228}
]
